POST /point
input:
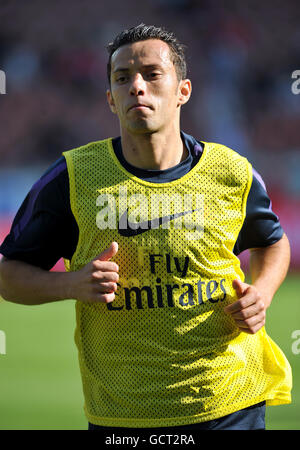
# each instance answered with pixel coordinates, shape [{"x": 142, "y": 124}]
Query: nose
[{"x": 137, "y": 85}]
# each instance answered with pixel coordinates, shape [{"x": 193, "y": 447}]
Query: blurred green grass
[{"x": 40, "y": 385}]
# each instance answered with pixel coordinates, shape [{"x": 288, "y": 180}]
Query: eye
[
  {"x": 154, "y": 75},
  {"x": 121, "y": 79}
]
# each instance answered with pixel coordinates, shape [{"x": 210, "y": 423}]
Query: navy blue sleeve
[
  {"x": 261, "y": 226},
  {"x": 44, "y": 228}
]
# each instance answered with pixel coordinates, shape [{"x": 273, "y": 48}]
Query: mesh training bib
[{"x": 164, "y": 353}]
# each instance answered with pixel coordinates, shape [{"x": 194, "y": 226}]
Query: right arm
[
  {"x": 30, "y": 285},
  {"x": 43, "y": 231}
]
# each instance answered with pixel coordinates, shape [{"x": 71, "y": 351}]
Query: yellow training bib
[{"x": 164, "y": 353}]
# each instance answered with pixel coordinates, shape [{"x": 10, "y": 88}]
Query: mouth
[{"x": 139, "y": 106}]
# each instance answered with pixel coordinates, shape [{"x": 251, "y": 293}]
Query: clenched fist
[
  {"x": 249, "y": 311},
  {"x": 97, "y": 281}
]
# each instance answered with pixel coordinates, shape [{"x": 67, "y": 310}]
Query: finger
[
  {"x": 252, "y": 329},
  {"x": 108, "y": 253},
  {"x": 105, "y": 298},
  {"x": 105, "y": 276},
  {"x": 239, "y": 287},
  {"x": 251, "y": 311},
  {"x": 105, "y": 266},
  {"x": 107, "y": 287},
  {"x": 249, "y": 299},
  {"x": 250, "y": 323},
  {"x": 250, "y": 296}
]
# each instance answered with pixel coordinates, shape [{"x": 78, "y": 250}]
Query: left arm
[{"x": 268, "y": 269}]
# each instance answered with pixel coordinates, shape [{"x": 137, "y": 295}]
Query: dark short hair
[{"x": 143, "y": 32}]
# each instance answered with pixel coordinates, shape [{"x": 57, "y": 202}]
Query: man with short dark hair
[{"x": 150, "y": 224}]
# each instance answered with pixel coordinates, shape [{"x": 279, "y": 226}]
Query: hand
[
  {"x": 249, "y": 311},
  {"x": 97, "y": 281}
]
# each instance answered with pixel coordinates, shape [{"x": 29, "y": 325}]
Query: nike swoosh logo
[{"x": 133, "y": 229}]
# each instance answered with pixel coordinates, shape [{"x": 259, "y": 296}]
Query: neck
[{"x": 155, "y": 151}]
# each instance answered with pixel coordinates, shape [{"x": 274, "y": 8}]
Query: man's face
[{"x": 145, "y": 92}]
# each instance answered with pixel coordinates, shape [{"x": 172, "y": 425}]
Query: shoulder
[
  {"x": 55, "y": 168},
  {"x": 227, "y": 160},
  {"x": 224, "y": 151},
  {"x": 261, "y": 226},
  {"x": 53, "y": 180},
  {"x": 258, "y": 199},
  {"x": 88, "y": 149},
  {"x": 258, "y": 182},
  {"x": 51, "y": 174},
  {"x": 228, "y": 166}
]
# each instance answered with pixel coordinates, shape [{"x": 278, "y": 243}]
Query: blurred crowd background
[{"x": 240, "y": 55}]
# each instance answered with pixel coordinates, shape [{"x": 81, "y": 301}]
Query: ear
[
  {"x": 110, "y": 101},
  {"x": 184, "y": 91}
]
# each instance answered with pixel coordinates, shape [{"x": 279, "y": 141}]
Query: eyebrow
[{"x": 145, "y": 66}]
